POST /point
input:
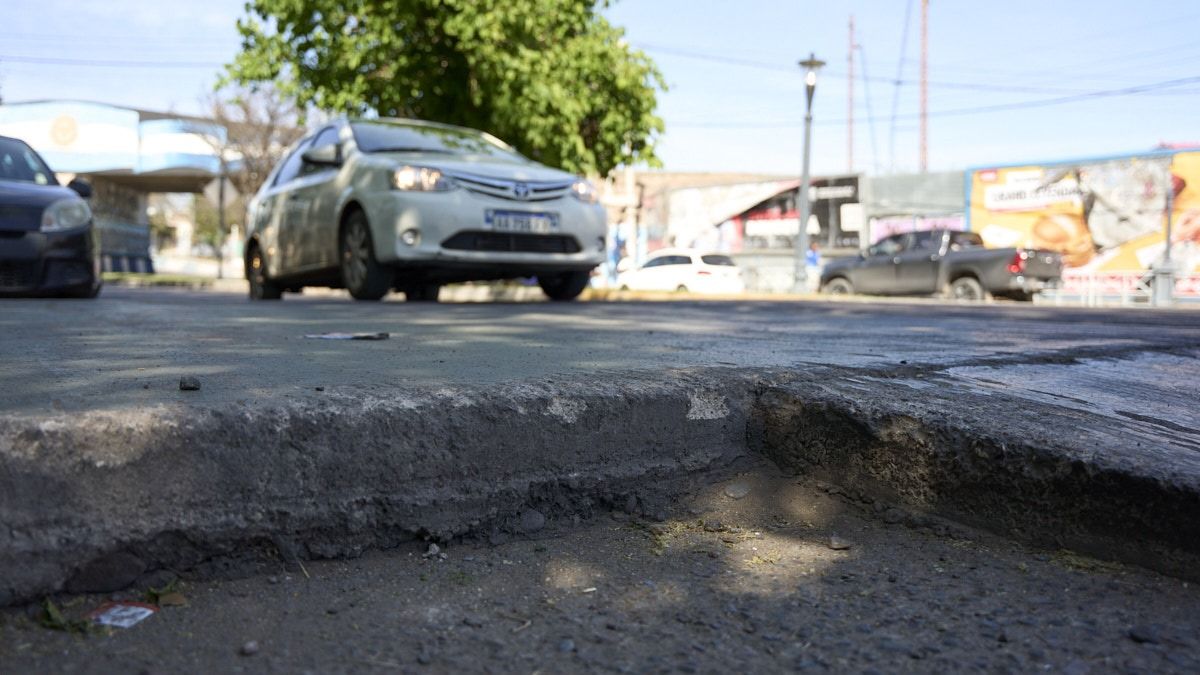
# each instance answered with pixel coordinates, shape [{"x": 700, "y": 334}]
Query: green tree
[{"x": 552, "y": 77}]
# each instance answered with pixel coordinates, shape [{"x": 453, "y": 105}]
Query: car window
[
  {"x": 927, "y": 240},
  {"x": 404, "y": 137},
  {"x": 889, "y": 246},
  {"x": 961, "y": 240},
  {"x": 676, "y": 260},
  {"x": 723, "y": 260},
  {"x": 291, "y": 165},
  {"x": 18, "y": 162},
  {"x": 328, "y": 136}
]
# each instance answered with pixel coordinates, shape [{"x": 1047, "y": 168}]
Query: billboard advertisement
[{"x": 1103, "y": 216}]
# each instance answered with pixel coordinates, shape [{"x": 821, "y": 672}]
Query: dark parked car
[
  {"x": 944, "y": 262},
  {"x": 48, "y": 245}
]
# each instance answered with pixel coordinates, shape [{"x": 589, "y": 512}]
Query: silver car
[{"x": 376, "y": 205}]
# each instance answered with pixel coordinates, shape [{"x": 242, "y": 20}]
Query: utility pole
[
  {"x": 924, "y": 86},
  {"x": 850, "y": 101}
]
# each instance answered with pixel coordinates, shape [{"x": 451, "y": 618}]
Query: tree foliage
[{"x": 552, "y": 77}]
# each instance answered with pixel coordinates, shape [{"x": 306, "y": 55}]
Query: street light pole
[{"x": 800, "y": 272}]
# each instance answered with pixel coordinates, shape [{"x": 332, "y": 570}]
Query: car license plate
[{"x": 521, "y": 221}]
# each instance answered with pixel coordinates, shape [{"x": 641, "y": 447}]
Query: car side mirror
[
  {"x": 325, "y": 155},
  {"x": 81, "y": 188}
]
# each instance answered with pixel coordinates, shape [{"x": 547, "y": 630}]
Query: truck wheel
[
  {"x": 565, "y": 286},
  {"x": 261, "y": 287},
  {"x": 838, "y": 286},
  {"x": 362, "y": 275},
  {"x": 967, "y": 289}
]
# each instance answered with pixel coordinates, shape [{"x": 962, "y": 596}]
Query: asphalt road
[
  {"x": 129, "y": 348},
  {"x": 784, "y": 579}
]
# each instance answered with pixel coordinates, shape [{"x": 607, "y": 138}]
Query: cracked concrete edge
[
  {"x": 1028, "y": 471},
  {"x": 334, "y": 474},
  {"x": 339, "y": 473}
]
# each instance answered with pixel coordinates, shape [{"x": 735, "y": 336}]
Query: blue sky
[{"x": 736, "y": 97}]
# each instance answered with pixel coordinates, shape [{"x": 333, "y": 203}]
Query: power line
[
  {"x": 899, "y": 81},
  {"x": 977, "y": 110},
  {"x": 102, "y": 63}
]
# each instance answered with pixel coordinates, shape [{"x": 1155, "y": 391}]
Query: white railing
[{"x": 1100, "y": 289}]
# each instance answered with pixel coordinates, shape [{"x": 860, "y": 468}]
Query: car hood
[
  {"x": 21, "y": 204},
  {"x": 480, "y": 165}
]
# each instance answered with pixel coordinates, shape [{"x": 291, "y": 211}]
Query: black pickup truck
[{"x": 943, "y": 262}]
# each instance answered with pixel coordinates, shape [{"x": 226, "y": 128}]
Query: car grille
[
  {"x": 19, "y": 276},
  {"x": 20, "y": 217},
  {"x": 512, "y": 243},
  {"x": 513, "y": 190}
]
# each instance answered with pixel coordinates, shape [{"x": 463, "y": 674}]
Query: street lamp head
[
  {"x": 812, "y": 64},
  {"x": 811, "y": 78}
]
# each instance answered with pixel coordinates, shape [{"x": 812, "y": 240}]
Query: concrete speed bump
[{"x": 211, "y": 490}]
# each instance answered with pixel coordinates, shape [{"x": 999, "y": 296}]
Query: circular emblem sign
[{"x": 64, "y": 130}]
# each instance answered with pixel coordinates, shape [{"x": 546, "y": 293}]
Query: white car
[
  {"x": 376, "y": 205},
  {"x": 685, "y": 270}
]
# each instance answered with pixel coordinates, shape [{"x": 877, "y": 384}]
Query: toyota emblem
[{"x": 521, "y": 190}]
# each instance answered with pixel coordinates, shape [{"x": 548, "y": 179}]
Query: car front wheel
[
  {"x": 564, "y": 286},
  {"x": 838, "y": 286},
  {"x": 261, "y": 287},
  {"x": 362, "y": 275}
]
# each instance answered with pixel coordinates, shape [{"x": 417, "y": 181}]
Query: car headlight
[
  {"x": 585, "y": 192},
  {"x": 66, "y": 214},
  {"x": 421, "y": 179}
]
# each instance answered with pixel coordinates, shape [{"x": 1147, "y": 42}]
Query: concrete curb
[
  {"x": 334, "y": 474},
  {"x": 337, "y": 472}
]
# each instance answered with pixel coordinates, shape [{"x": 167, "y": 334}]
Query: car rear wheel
[
  {"x": 362, "y": 275},
  {"x": 681, "y": 289},
  {"x": 422, "y": 292},
  {"x": 261, "y": 286},
  {"x": 564, "y": 286},
  {"x": 838, "y": 286},
  {"x": 967, "y": 289}
]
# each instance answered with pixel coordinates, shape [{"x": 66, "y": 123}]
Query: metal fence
[{"x": 1126, "y": 289}]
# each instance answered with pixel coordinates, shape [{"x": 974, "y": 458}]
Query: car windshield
[
  {"x": 401, "y": 137},
  {"x": 18, "y": 162}
]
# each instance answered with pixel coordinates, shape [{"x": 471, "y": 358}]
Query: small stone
[
  {"x": 567, "y": 645},
  {"x": 473, "y": 621},
  {"x": 713, "y": 526},
  {"x": 838, "y": 544},
  {"x": 249, "y": 649},
  {"x": 737, "y": 490},
  {"x": 319, "y": 388},
  {"x": 532, "y": 521},
  {"x": 657, "y": 529},
  {"x": 432, "y": 551},
  {"x": 188, "y": 383},
  {"x": 424, "y": 658},
  {"x": 893, "y": 516},
  {"x": 272, "y": 580},
  {"x": 1144, "y": 634}
]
